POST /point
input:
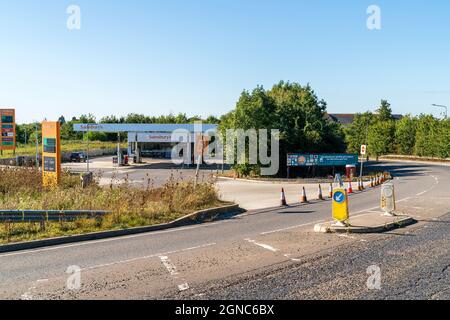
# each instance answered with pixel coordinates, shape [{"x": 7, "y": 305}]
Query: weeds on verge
[{"x": 130, "y": 206}]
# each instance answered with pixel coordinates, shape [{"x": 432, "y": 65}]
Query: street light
[{"x": 441, "y": 106}]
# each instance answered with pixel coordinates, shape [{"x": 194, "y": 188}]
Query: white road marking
[
  {"x": 183, "y": 287},
  {"x": 346, "y": 236},
  {"x": 421, "y": 193},
  {"x": 28, "y": 295},
  {"x": 173, "y": 272},
  {"x": 365, "y": 210},
  {"x": 292, "y": 227},
  {"x": 147, "y": 257},
  {"x": 169, "y": 265},
  {"x": 106, "y": 240},
  {"x": 262, "y": 245}
]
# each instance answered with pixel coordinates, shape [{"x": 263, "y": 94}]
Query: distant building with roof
[{"x": 348, "y": 118}]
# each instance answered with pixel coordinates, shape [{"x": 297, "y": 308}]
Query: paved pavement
[
  {"x": 252, "y": 250},
  {"x": 153, "y": 171}
]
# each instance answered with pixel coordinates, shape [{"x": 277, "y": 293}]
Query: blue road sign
[{"x": 339, "y": 197}]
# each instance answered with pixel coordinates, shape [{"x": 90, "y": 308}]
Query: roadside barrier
[
  {"x": 320, "y": 196},
  {"x": 350, "y": 188},
  {"x": 283, "y": 198},
  {"x": 303, "y": 198},
  {"x": 17, "y": 216}
]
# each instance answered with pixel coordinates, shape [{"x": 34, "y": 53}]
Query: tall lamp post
[{"x": 444, "y": 107}]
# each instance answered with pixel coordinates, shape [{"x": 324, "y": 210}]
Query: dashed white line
[
  {"x": 262, "y": 245},
  {"x": 28, "y": 295},
  {"x": 292, "y": 227},
  {"x": 169, "y": 265},
  {"x": 109, "y": 240},
  {"x": 173, "y": 272},
  {"x": 147, "y": 257}
]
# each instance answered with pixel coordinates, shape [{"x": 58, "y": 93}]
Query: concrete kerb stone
[{"x": 401, "y": 222}]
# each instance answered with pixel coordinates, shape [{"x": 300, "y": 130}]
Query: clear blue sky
[{"x": 196, "y": 56}]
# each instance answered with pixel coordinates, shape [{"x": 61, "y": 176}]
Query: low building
[{"x": 153, "y": 140}]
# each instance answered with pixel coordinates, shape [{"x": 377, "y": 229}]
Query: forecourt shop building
[{"x": 153, "y": 140}]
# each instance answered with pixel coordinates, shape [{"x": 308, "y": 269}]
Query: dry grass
[{"x": 21, "y": 189}]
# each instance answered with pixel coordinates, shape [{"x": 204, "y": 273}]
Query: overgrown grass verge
[{"x": 21, "y": 189}]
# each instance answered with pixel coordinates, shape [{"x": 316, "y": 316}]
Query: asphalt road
[{"x": 261, "y": 254}]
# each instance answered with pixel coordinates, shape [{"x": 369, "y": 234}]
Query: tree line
[
  {"x": 422, "y": 135},
  {"x": 302, "y": 120}
]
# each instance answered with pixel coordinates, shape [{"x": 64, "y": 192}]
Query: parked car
[{"x": 77, "y": 157}]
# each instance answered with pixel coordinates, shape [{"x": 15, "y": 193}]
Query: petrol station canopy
[{"x": 124, "y": 127}]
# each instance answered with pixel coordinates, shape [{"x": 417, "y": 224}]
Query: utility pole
[{"x": 367, "y": 139}]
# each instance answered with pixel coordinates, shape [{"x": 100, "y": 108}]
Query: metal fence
[{"x": 48, "y": 215}]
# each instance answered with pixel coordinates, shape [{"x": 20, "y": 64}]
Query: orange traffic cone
[
  {"x": 320, "y": 196},
  {"x": 331, "y": 190},
  {"x": 350, "y": 189},
  {"x": 283, "y": 198},
  {"x": 303, "y": 198}
]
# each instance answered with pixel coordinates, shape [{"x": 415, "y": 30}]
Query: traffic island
[{"x": 371, "y": 222}]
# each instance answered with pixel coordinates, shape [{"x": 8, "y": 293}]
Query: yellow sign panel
[
  {"x": 340, "y": 205},
  {"x": 51, "y": 153},
  {"x": 7, "y": 129}
]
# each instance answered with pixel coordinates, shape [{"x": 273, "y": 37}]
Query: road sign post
[
  {"x": 363, "y": 153},
  {"x": 340, "y": 207},
  {"x": 51, "y": 153},
  {"x": 388, "y": 204}
]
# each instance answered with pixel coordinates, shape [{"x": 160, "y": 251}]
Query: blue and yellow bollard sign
[{"x": 340, "y": 205}]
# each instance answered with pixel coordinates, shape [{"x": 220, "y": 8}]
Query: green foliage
[
  {"x": 432, "y": 137},
  {"x": 293, "y": 109},
  {"x": 21, "y": 189},
  {"x": 421, "y": 136},
  {"x": 381, "y": 138},
  {"x": 356, "y": 134},
  {"x": 384, "y": 111},
  {"x": 405, "y": 135}
]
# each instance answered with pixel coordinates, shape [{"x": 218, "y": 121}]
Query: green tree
[
  {"x": 302, "y": 121},
  {"x": 384, "y": 111},
  {"x": 381, "y": 138},
  {"x": 295, "y": 111},
  {"x": 254, "y": 110},
  {"x": 427, "y": 136},
  {"x": 356, "y": 134},
  {"x": 405, "y": 135}
]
